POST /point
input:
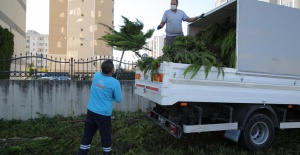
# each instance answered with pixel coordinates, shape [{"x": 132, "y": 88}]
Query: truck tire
[{"x": 258, "y": 133}]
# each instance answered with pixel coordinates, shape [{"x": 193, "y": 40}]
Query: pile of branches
[{"x": 213, "y": 47}]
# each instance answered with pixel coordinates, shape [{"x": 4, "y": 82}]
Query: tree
[
  {"x": 6, "y": 51},
  {"x": 31, "y": 69},
  {"x": 130, "y": 37}
]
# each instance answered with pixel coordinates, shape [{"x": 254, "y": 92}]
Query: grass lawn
[{"x": 133, "y": 134}]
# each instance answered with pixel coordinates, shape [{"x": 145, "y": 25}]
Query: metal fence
[{"x": 36, "y": 66}]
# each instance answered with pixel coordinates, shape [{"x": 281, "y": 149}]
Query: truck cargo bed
[{"x": 173, "y": 87}]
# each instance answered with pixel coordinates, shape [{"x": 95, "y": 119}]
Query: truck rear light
[
  {"x": 172, "y": 129},
  {"x": 137, "y": 76},
  {"x": 290, "y": 106},
  {"x": 183, "y": 104},
  {"x": 149, "y": 113},
  {"x": 158, "y": 77}
]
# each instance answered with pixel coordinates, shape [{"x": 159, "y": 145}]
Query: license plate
[
  {"x": 162, "y": 120},
  {"x": 233, "y": 135}
]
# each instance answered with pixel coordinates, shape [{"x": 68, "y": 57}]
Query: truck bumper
[{"x": 164, "y": 123}]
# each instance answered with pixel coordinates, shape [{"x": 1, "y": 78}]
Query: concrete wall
[{"x": 25, "y": 99}]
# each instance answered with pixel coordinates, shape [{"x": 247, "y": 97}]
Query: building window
[
  {"x": 81, "y": 44},
  {"x": 33, "y": 44},
  {"x": 81, "y": 29},
  {"x": 82, "y": 15},
  {"x": 82, "y": 0},
  {"x": 223, "y": 1},
  {"x": 288, "y": 4}
]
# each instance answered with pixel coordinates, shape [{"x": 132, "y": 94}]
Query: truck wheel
[{"x": 258, "y": 133}]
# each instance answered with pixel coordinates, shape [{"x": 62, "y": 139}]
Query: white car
[{"x": 54, "y": 78}]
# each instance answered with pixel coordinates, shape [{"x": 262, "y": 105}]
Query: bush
[
  {"x": 126, "y": 76},
  {"x": 6, "y": 51}
]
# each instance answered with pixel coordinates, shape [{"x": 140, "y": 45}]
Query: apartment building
[
  {"x": 155, "y": 46},
  {"x": 289, "y": 3},
  {"x": 220, "y": 2},
  {"x": 37, "y": 45},
  {"x": 74, "y": 28},
  {"x": 15, "y": 21}
]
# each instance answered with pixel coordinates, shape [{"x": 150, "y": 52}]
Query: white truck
[{"x": 262, "y": 93}]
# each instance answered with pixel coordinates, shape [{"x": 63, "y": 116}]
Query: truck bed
[{"x": 171, "y": 87}]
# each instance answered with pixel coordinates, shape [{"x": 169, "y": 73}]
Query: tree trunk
[{"x": 120, "y": 64}]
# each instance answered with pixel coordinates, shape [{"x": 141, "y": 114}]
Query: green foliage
[
  {"x": 203, "y": 59},
  {"x": 220, "y": 40},
  {"x": 228, "y": 48},
  {"x": 6, "y": 51},
  {"x": 214, "y": 47},
  {"x": 151, "y": 65},
  {"x": 126, "y": 75},
  {"x": 154, "y": 67},
  {"x": 130, "y": 37},
  {"x": 31, "y": 69},
  {"x": 144, "y": 64}
]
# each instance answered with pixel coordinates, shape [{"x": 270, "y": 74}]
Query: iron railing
[{"x": 39, "y": 65}]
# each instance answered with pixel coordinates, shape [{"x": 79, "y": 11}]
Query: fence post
[{"x": 71, "y": 68}]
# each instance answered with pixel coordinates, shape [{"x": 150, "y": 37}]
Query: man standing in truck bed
[{"x": 174, "y": 17}]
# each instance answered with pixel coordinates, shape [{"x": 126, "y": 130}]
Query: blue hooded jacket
[{"x": 104, "y": 91}]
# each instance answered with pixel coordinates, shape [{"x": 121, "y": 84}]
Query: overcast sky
[{"x": 147, "y": 11}]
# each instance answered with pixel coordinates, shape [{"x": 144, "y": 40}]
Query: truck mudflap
[{"x": 171, "y": 127}]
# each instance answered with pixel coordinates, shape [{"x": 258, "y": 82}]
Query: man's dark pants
[
  {"x": 170, "y": 40},
  {"x": 92, "y": 123}
]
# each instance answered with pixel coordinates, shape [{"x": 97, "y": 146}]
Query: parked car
[{"x": 54, "y": 78}]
